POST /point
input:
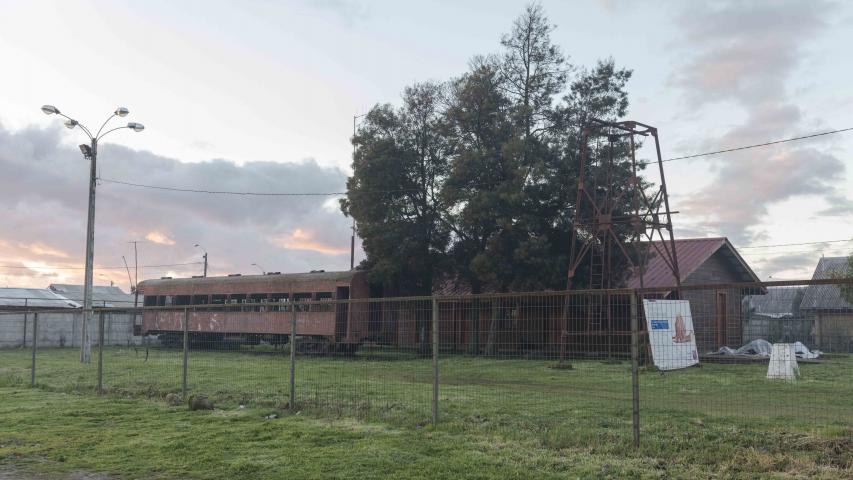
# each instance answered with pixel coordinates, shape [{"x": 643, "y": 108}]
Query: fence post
[
  {"x": 434, "y": 361},
  {"x": 100, "y": 352},
  {"x": 35, "y": 346},
  {"x": 186, "y": 352},
  {"x": 24, "y": 343},
  {"x": 292, "y": 355},
  {"x": 635, "y": 363}
]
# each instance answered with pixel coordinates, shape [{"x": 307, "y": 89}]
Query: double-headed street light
[{"x": 90, "y": 152}]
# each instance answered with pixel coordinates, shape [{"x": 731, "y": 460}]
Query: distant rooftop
[
  {"x": 101, "y": 295},
  {"x": 34, "y": 297},
  {"x": 826, "y": 297}
]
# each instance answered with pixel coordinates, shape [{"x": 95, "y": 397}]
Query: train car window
[
  {"x": 322, "y": 307},
  {"x": 239, "y": 299},
  {"x": 149, "y": 300},
  {"x": 182, "y": 299},
  {"x": 259, "y": 298},
  {"x": 218, "y": 299},
  {"x": 281, "y": 298},
  {"x": 168, "y": 300},
  {"x": 301, "y": 297},
  {"x": 161, "y": 300},
  {"x": 200, "y": 300}
]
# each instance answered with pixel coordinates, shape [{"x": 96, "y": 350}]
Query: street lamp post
[
  {"x": 203, "y": 256},
  {"x": 90, "y": 152}
]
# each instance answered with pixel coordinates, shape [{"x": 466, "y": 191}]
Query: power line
[
  {"x": 765, "y": 144},
  {"x": 227, "y": 192},
  {"x": 100, "y": 268},
  {"x": 797, "y": 244},
  {"x": 332, "y": 194}
]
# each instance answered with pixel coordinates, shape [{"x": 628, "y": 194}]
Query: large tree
[
  {"x": 475, "y": 179},
  {"x": 400, "y": 161}
]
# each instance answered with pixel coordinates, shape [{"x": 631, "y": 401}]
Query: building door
[{"x": 721, "y": 320}]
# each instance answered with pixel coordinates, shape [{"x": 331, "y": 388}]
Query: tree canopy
[{"x": 474, "y": 178}]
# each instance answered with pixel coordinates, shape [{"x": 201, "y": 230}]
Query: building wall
[
  {"x": 833, "y": 331},
  {"x": 64, "y": 330},
  {"x": 703, "y": 304}
]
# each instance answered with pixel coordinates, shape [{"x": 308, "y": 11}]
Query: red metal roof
[{"x": 692, "y": 253}]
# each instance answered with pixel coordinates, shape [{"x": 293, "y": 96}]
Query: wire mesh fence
[{"x": 605, "y": 366}]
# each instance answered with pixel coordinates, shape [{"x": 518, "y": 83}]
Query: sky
[{"x": 260, "y": 96}]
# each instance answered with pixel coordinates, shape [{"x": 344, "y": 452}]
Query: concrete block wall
[{"x": 64, "y": 329}]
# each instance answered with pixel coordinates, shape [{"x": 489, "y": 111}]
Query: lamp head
[
  {"x": 49, "y": 109},
  {"x": 70, "y": 124},
  {"x": 122, "y": 111},
  {"x": 87, "y": 150},
  {"x": 136, "y": 127}
]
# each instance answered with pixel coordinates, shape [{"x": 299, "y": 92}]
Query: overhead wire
[{"x": 329, "y": 194}]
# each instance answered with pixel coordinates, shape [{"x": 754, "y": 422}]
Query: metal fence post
[
  {"x": 292, "y": 355},
  {"x": 100, "y": 352},
  {"x": 24, "y": 343},
  {"x": 186, "y": 352},
  {"x": 635, "y": 363},
  {"x": 35, "y": 347},
  {"x": 434, "y": 361}
]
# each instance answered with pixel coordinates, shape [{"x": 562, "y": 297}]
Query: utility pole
[
  {"x": 352, "y": 237},
  {"x": 135, "y": 276},
  {"x": 90, "y": 152},
  {"x": 203, "y": 256}
]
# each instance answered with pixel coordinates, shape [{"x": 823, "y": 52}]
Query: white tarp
[
  {"x": 762, "y": 348},
  {"x": 671, "y": 333}
]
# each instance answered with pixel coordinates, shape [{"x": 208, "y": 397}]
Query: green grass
[{"x": 370, "y": 418}]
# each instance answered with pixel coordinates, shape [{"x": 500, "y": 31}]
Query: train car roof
[{"x": 275, "y": 277}]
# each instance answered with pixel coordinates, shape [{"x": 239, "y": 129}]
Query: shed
[
  {"x": 775, "y": 316},
  {"x": 831, "y": 312},
  {"x": 716, "y": 311}
]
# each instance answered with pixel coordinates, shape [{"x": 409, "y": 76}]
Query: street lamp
[
  {"x": 90, "y": 152},
  {"x": 203, "y": 256},
  {"x": 263, "y": 272}
]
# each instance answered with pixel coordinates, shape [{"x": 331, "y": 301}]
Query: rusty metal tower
[{"x": 616, "y": 216}]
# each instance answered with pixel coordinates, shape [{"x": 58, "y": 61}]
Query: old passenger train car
[{"x": 253, "y": 308}]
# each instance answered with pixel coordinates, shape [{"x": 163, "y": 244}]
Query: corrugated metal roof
[
  {"x": 102, "y": 295},
  {"x": 34, "y": 297},
  {"x": 826, "y": 297},
  {"x": 287, "y": 277},
  {"x": 778, "y": 302},
  {"x": 692, "y": 253}
]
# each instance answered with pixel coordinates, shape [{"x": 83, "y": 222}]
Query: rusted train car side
[{"x": 253, "y": 307}]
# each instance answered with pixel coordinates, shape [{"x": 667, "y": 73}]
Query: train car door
[{"x": 341, "y": 313}]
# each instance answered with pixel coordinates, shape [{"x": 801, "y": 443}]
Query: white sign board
[{"x": 671, "y": 333}]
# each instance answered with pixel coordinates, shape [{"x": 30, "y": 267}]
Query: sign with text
[{"x": 671, "y": 333}]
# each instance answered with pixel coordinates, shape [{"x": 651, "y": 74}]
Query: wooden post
[
  {"x": 186, "y": 352},
  {"x": 434, "y": 361},
  {"x": 292, "y": 355},
  {"x": 635, "y": 378},
  {"x": 100, "y": 352},
  {"x": 35, "y": 347}
]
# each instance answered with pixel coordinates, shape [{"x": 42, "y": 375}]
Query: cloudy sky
[{"x": 261, "y": 98}]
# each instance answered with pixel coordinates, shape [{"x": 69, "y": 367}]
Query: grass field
[{"x": 370, "y": 418}]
